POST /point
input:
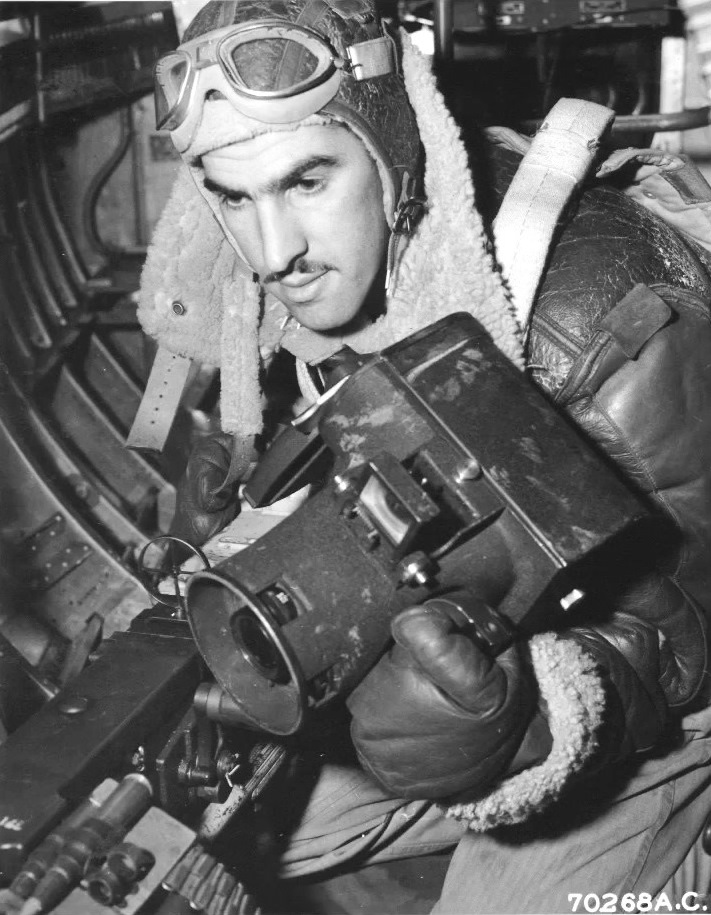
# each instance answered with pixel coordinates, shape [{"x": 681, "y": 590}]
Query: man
[{"x": 567, "y": 766}]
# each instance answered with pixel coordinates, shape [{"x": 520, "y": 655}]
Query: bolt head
[
  {"x": 341, "y": 484},
  {"x": 73, "y": 705},
  {"x": 470, "y": 471},
  {"x": 416, "y": 572}
]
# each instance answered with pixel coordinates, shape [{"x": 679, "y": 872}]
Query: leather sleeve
[{"x": 621, "y": 339}]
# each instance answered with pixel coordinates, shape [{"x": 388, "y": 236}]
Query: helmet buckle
[
  {"x": 369, "y": 59},
  {"x": 407, "y": 215}
]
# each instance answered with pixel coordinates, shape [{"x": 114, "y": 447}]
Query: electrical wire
[{"x": 99, "y": 182}]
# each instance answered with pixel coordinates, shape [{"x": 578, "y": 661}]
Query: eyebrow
[{"x": 280, "y": 184}]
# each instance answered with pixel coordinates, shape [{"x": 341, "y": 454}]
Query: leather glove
[
  {"x": 437, "y": 716},
  {"x": 204, "y": 505}
]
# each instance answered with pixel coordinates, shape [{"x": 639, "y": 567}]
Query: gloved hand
[
  {"x": 203, "y": 504},
  {"x": 436, "y": 716}
]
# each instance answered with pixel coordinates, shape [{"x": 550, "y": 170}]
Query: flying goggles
[{"x": 270, "y": 70}]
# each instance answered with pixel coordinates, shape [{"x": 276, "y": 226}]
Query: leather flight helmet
[{"x": 375, "y": 107}]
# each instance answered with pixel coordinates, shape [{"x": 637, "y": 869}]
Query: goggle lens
[
  {"x": 275, "y": 65},
  {"x": 268, "y": 60}
]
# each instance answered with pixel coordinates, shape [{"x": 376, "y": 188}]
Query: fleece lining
[{"x": 572, "y": 689}]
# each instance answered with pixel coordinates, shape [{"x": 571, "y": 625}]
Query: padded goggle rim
[
  {"x": 163, "y": 117},
  {"x": 224, "y": 41}
]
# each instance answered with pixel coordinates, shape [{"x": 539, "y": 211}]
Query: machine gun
[
  {"x": 128, "y": 717},
  {"x": 130, "y": 711},
  {"x": 449, "y": 473}
]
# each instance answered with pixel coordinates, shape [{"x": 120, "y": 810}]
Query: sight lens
[{"x": 254, "y": 639}]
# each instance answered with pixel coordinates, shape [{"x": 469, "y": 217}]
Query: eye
[
  {"x": 310, "y": 185},
  {"x": 230, "y": 202}
]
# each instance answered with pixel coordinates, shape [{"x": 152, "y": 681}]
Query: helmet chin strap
[{"x": 409, "y": 211}]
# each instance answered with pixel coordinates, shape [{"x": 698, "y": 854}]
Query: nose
[{"x": 283, "y": 238}]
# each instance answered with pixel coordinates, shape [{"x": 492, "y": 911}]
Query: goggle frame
[{"x": 210, "y": 66}]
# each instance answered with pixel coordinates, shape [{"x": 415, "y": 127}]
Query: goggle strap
[{"x": 372, "y": 58}]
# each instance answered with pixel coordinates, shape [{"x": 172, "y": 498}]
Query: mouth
[{"x": 302, "y": 288}]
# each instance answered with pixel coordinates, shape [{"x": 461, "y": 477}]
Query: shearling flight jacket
[
  {"x": 622, "y": 335},
  {"x": 621, "y": 340}
]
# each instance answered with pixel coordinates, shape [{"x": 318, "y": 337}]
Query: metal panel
[
  {"x": 37, "y": 270},
  {"x": 107, "y": 379},
  {"x": 35, "y": 512},
  {"x": 93, "y": 437},
  {"x": 12, "y": 173},
  {"x": 53, "y": 555},
  {"x": 35, "y": 436},
  {"x": 26, "y": 312},
  {"x": 120, "y": 331},
  {"x": 68, "y": 250},
  {"x": 39, "y": 223}
]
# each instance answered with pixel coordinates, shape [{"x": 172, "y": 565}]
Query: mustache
[{"x": 302, "y": 265}]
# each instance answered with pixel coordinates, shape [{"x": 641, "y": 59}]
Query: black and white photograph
[{"x": 355, "y": 457}]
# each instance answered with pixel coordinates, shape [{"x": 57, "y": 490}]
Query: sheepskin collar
[{"x": 225, "y": 318}]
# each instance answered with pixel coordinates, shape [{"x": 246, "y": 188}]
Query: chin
[{"x": 324, "y": 323}]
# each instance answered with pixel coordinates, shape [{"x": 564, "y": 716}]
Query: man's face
[{"x": 306, "y": 209}]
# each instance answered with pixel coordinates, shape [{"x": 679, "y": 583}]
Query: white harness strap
[{"x": 557, "y": 161}]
